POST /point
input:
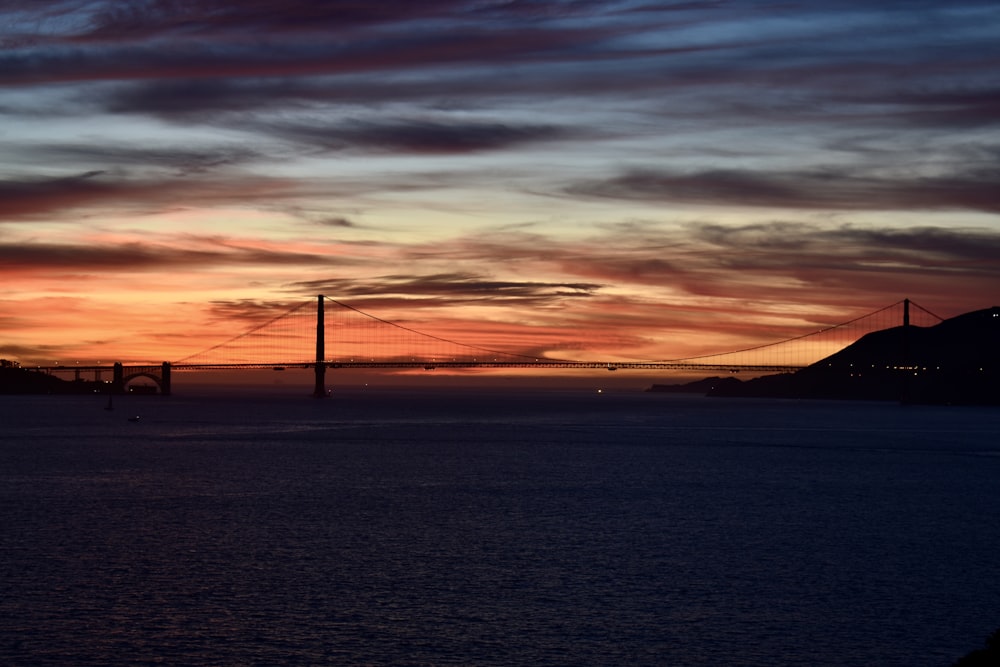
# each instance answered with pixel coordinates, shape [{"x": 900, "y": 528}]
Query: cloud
[
  {"x": 247, "y": 140},
  {"x": 176, "y": 160},
  {"x": 844, "y": 263},
  {"x": 864, "y": 248},
  {"x": 446, "y": 289},
  {"x": 416, "y": 136},
  {"x": 254, "y": 311},
  {"x": 157, "y": 18},
  {"x": 765, "y": 261},
  {"x": 855, "y": 64},
  {"x": 186, "y": 99},
  {"x": 27, "y": 198},
  {"x": 181, "y": 179},
  {"x": 15, "y": 352},
  {"x": 827, "y": 189},
  {"x": 169, "y": 40},
  {"x": 335, "y": 222},
  {"x": 136, "y": 256},
  {"x": 54, "y": 198},
  {"x": 204, "y": 98},
  {"x": 963, "y": 108}
]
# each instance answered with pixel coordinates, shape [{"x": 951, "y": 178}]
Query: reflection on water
[{"x": 493, "y": 528}]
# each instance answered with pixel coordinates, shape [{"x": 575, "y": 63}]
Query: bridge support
[
  {"x": 904, "y": 382},
  {"x": 118, "y": 379},
  {"x": 320, "y": 368}
]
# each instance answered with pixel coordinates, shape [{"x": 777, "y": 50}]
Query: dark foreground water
[{"x": 478, "y": 528}]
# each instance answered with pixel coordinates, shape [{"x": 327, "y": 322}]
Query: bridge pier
[
  {"x": 118, "y": 379},
  {"x": 165, "y": 379},
  {"x": 319, "y": 391}
]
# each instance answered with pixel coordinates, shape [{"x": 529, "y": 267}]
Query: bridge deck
[{"x": 433, "y": 365}]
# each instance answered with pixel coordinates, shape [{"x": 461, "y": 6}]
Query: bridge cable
[
  {"x": 245, "y": 333},
  {"x": 437, "y": 338},
  {"x": 789, "y": 340},
  {"x": 935, "y": 316}
]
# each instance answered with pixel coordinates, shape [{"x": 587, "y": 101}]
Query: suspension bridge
[{"x": 299, "y": 337}]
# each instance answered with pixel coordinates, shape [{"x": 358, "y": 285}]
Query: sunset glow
[{"x": 582, "y": 180}]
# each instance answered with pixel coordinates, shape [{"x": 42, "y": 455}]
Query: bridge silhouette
[{"x": 299, "y": 337}]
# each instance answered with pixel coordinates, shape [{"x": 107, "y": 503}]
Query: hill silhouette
[
  {"x": 988, "y": 656},
  {"x": 17, "y": 380},
  {"x": 954, "y": 362}
]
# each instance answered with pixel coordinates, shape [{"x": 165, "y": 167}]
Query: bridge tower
[
  {"x": 904, "y": 381},
  {"x": 320, "y": 390}
]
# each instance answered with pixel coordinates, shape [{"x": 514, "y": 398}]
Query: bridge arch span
[
  {"x": 160, "y": 375},
  {"x": 142, "y": 374}
]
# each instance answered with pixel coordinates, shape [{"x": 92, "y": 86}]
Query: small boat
[{"x": 134, "y": 419}]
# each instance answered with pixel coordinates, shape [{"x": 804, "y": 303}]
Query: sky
[{"x": 584, "y": 179}]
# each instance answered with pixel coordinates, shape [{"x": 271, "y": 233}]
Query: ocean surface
[{"x": 478, "y": 527}]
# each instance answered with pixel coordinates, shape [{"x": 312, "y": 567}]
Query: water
[{"x": 495, "y": 528}]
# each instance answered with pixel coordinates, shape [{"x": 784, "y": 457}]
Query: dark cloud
[
  {"x": 145, "y": 19},
  {"x": 139, "y": 257},
  {"x": 769, "y": 260},
  {"x": 189, "y": 98},
  {"x": 812, "y": 245},
  {"x": 954, "y": 250},
  {"x": 335, "y": 222},
  {"x": 779, "y": 260},
  {"x": 445, "y": 289},
  {"x": 123, "y": 51},
  {"x": 28, "y": 198},
  {"x": 854, "y": 63},
  {"x": 968, "y": 108},
  {"x": 829, "y": 189},
  {"x": 202, "y": 98},
  {"x": 56, "y": 198},
  {"x": 176, "y": 160},
  {"x": 13, "y": 352},
  {"x": 431, "y": 137},
  {"x": 626, "y": 256},
  {"x": 256, "y": 310}
]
